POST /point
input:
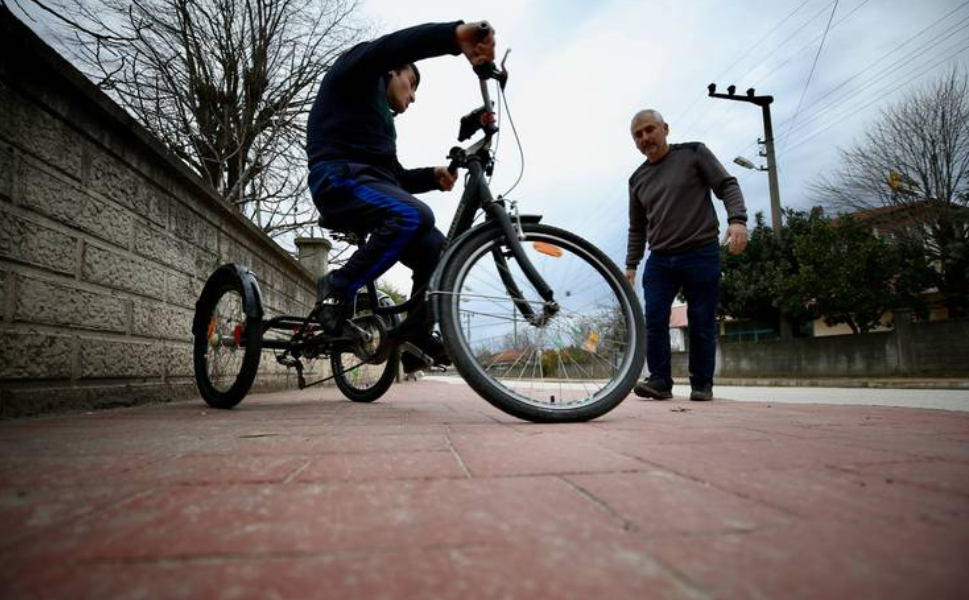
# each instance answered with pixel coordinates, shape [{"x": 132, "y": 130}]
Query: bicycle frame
[{"x": 477, "y": 196}]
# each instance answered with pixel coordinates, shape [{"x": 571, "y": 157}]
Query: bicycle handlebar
[{"x": 483, "y": 117}]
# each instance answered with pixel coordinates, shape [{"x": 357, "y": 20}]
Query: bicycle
[{"x": 537, "y": 320}]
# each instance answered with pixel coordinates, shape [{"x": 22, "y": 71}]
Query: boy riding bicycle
[{"x": 355, "y": 178}]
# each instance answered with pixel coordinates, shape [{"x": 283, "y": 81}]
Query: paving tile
[
  {"x": 845, "y": 496},
  {"x": 541, "y": 569},
  {"x": 68, "y": 472},
  {"x": 181, "y": 521},
  {"x": 659, "y": 503},
  {"x": 383, "y": 466},
  {"x": 821, "y": 560},
  {"x": 283, "y": 441},
  {"x": 698, "y": 460},
  {"x": 505, "y": 454},
  {"x": 26, "y": 512},
  {"x": 946, "y": 476}
]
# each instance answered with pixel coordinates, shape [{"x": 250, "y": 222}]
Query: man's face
[
  {"x": 650, "y": 136},
  {"x": 401, "y": 89}
]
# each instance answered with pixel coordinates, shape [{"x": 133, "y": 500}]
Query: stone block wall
[{"x": 105, "y": 242}]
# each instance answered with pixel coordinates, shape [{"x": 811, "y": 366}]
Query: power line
[
  {"x": 806, "y": 46},
  {"x": 881, "y": 96},
  {"x": 807, "y": 83},
  {"x": 876, "y": 79},
  {"x": 869, "y": 82},
  {"x": 787, "y": 40},
  {"x": 743, "y": 56},
  {"x": 791, "y": 57}
]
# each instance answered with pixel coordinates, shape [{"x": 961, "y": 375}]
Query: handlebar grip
[
  {"x": 453, "y": 167},
  {"x": 484, "y": 28}
]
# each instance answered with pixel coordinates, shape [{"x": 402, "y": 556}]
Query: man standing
[{"x": 670, "y": 208}]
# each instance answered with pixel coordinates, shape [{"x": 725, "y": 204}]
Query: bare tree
[
  {"x": 225, "y": 84},
  {"x": 914, "y": 163}
]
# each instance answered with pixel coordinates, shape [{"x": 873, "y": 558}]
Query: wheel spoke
[{"x": 567, "y": 358}]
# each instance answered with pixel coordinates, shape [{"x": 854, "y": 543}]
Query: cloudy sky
[{"x": 579, "y": 70}]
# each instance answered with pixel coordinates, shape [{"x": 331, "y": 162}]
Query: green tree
[
  {"x": 849, "y": 275},
  {"x": 913, "y": 162},
  {"x": 757, "y": 284}
]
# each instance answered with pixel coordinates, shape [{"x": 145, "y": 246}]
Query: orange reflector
[
  {"x": 237, "y": 335},
  {"x": 591, "y": 343},
  {"x": 546, "y": 248},
  {"x": 211, "y": 330}
]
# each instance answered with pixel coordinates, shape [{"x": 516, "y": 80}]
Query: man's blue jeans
[{"x": 697, "y": 273}]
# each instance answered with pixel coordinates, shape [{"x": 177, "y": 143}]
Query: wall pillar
[{"x": 314, "y": 254}]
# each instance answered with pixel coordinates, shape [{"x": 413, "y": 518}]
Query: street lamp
[
  {"x": 764, "y": 103},
  {"x": 745, "y": 163}
]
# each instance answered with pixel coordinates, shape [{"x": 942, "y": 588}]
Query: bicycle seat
[{"x": 349, "y": 236}]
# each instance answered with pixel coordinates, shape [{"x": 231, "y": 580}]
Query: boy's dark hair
[{"x": 412, "y": 67}]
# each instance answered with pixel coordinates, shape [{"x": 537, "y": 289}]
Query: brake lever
[{"x": 500, "y": 74}]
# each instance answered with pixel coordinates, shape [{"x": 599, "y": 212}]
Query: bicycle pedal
[
  {"x": 288, "y": 361},
  {"x": 412, "y": 349}
]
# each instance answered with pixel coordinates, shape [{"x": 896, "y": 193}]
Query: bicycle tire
[
  {"x": 355, "y": 387},
  {"x": 593, "y": 329},
  {"x": 223, "y": 374}
]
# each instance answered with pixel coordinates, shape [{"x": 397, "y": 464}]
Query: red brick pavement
[{"x": 431, "y": 493}]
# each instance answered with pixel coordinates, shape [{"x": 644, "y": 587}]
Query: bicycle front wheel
[{"x": 572, "y": 364}]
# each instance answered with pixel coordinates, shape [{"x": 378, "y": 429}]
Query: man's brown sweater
[{"x": 670, "y": 205}]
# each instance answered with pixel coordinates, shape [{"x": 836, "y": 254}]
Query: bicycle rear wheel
[
  {"x": 358, "y": 373},
  {"x": 575, "y": 365},
  {"x": 227, "y": 345}
]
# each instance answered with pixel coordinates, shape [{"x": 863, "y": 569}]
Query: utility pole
[{"x": 764, "y": 103}]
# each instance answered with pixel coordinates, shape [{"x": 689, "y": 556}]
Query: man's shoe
[
  {"x": 703, "y": 393},
  {"x": 332, "y": 311},
  {"x": 653, "y": 388}
]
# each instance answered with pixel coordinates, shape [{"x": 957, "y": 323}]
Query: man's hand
[
  {"x": 445, "y": 179},
  {"x": 477, "y": 51},
  {"x": 736, "y": 238},
  {"x": 631, "y": 277}
]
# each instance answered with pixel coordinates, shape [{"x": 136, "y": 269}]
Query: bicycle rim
[
  {"x": 224, "y": 356},
  {"x": 363, "y": 382},
  {"x": 577, "y": 365}
]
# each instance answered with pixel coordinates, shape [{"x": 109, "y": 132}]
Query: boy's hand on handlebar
[
  {"x": 478, "y": 50},
  {"x": 445, "y": 179}
]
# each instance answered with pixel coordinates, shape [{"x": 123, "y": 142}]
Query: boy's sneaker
[
  {"x": 703, "y": 393},
  {"x": 331, "y": 307},
  {"x": 432, "y": 347},
  {"x": 656, "y": 389}
]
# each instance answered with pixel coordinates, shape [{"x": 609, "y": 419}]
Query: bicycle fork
[{"x": 512, "y": 235}]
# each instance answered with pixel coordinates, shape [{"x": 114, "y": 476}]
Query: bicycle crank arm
[{"x": 409, "y": 347}]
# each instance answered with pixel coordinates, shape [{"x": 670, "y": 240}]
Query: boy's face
[{"x": 401, "y": 89}]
